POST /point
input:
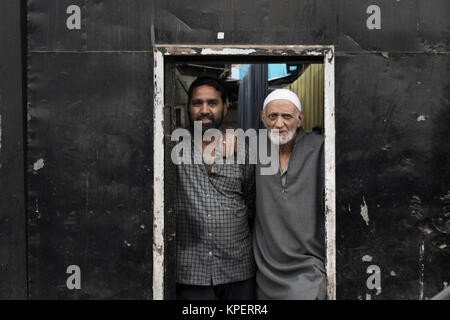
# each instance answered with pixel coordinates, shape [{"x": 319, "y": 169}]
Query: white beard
[{"x": 280, "y": 140}]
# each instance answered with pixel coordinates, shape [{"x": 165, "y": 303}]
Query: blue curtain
[{"x": 253, "y": 90}]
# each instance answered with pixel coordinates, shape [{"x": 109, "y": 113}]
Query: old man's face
[{"x": 283, "y": 116}]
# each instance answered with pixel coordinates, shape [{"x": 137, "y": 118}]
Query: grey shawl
[{"x": 289, "y": 226}]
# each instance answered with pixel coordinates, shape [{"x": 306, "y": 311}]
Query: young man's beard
[{"x": 214, "y": 124}]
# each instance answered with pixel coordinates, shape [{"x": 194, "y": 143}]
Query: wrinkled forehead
[{"x": 281, "y": 106}]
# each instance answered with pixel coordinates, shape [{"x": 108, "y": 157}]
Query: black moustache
[{"x": 205, "y": 117}]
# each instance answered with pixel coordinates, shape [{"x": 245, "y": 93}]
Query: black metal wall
[
  {"x": 90, "y": 137},
  {"x": 13, "y": 277}
]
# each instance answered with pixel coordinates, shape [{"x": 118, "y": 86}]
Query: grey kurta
[{"x": 289, "y": 226}]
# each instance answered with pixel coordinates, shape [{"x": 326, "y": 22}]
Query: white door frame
[{"x": 327, "y": 53}]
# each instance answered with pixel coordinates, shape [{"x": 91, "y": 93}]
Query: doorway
[{"x": 306, "y": 70}]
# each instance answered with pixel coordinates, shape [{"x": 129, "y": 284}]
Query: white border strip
[
  {"x": 158, "y": 177},
  {"x": 330, "y": 175}
]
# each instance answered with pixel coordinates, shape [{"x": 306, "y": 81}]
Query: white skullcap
[{"x": 283, "y": 94}]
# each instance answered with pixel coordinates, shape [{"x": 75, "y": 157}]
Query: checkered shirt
[{"x": 214, "y": 210}]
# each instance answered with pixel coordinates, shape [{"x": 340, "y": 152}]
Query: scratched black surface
[
  {"x": 392, "y": 115},
  {"x": 406, "y": 25},
  {"x": 392, "y": 153},
  {"x": 90, "y": 203},
  {"x": 126, "y": 25}
]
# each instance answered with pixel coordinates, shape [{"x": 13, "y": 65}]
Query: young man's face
[
  {"x": 206, "y": 105},
  {"x": 284, "y": 116}
]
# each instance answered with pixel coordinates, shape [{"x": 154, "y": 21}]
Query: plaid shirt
[{"x": 213, "y": 208}]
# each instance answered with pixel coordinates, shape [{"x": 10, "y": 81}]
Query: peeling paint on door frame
[
  {"x": 327, "y": 53},
  {"x": 158, "y": 177}
]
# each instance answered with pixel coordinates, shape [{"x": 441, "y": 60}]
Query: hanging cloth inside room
[
  {"x": 253, "y": 90},
  {"x": 309, "y": 87}
]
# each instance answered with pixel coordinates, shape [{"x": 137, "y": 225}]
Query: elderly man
[
  {"x": 214, "y": 204},
  {"x": 289, "y": 223}
]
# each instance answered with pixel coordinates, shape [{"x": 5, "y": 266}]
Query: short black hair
[{"x": 211, "y": 82}]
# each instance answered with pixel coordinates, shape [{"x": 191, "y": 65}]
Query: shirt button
[
  {"x": 210, "y": 253},
  {"x": 209, "y": 215},
  {"x": 207, "y": 195},
  {"x": 209, "y": 234}
]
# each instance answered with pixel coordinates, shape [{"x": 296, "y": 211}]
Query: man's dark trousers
[{"x": 241, "y": 290}]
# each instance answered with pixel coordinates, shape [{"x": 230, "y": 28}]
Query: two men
[{"x": 215, "y": 204}]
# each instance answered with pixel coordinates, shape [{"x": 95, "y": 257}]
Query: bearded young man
[
  {"x": 289, "y": 223},
  {"x": 214, "y": 205}
]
